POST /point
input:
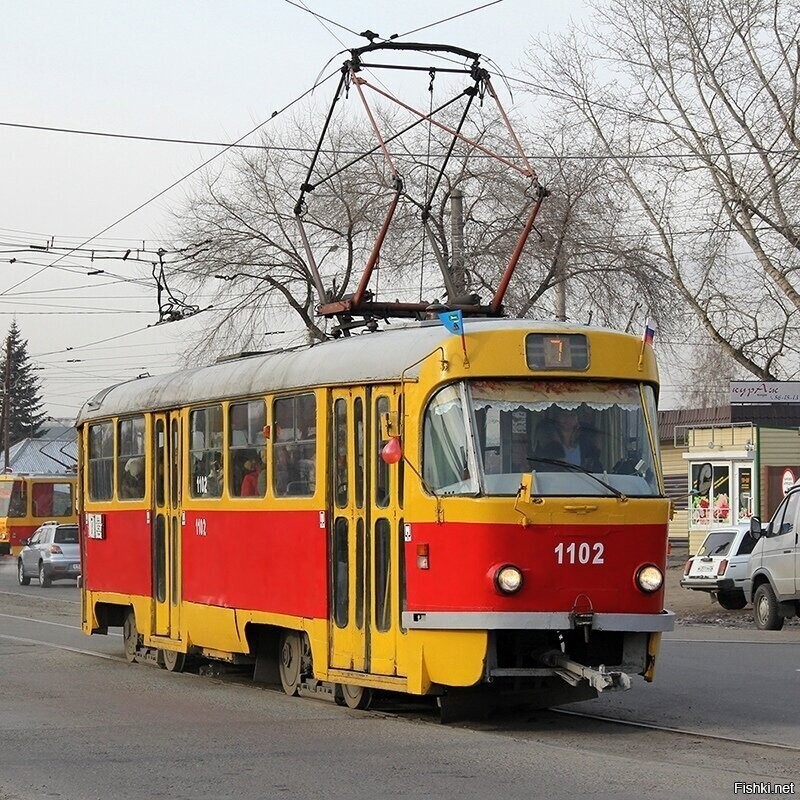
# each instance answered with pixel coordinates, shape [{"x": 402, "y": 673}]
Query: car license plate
[
  {"x": 76, "y": 566},
  {"x": 705, "y": 567}
]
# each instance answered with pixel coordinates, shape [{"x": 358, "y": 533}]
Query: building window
[{"x": 713, "y": 507}]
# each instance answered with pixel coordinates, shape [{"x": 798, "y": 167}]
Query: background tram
[
  {"x": 396, "y": 511},
  {"x": 28, "y": 500}
]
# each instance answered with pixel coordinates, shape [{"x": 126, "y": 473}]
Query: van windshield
[{"x": 480, "y": 437}]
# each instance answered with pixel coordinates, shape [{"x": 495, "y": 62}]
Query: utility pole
[
  {"x": 561, "y": 288},
  {"x": 457, "y": 242},
  {"x": 7, "y": 402}
]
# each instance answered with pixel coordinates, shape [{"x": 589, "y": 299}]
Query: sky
[{"x": 206, "y": 71}]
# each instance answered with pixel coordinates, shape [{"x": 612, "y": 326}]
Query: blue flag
[{"x": 453, "y": 321}]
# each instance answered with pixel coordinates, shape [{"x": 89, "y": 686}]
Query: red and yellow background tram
[
  {"x": 244, "y": 512},
  {"x": 27, "y": 500}
]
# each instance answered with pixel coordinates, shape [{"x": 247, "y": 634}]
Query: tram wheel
[
  {"x": 130, "y": 637},
  {"x": 174, "y": 661},
  {"x": 356, "y": 697},
  {"x": 290, "y": 661}
]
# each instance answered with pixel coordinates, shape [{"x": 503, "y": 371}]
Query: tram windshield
[
  {"x": 578, "y": 438},
  {"x": 13, "y": 499}
]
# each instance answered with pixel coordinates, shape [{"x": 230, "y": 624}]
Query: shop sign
[
  {"x": 765, "y": 391},
  {"x": 788, "y": 480}
]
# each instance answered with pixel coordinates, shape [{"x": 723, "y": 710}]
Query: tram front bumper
[{"x": 537, "y": 620}]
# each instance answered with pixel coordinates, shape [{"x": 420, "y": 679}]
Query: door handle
[{"x": 580, "y": 509}]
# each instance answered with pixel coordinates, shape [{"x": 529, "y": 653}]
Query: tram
[
  {"x": 407, "y": 510},
  {"x": 28, "y": 500}
]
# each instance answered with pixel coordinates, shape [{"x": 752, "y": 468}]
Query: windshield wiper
[{"x": 577, "y": 468}]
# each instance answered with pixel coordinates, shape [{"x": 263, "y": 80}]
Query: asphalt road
[{"x": 78, "y": 726}]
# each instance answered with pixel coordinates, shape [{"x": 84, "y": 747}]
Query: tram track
[
  {"x": 668, "y": 729},
  {"x": 415, "y": 713}
]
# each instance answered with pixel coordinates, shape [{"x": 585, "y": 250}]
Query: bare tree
[
  {"x": 239, "y": 239},
  {"x": 698, "y": 120}
]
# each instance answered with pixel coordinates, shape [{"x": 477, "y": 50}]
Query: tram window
[
  {"x": 161, "y": 558},
  {"x": 175, "y": 463},
  {"x": 341, "y": 578},
  {"x": 174, "y": 562},
  {"x": 360, "y": 574},
  {"x": 51, "y": 500},
  {"x": 158, "y": 456},
  {"x": 130, "y": 458},
  {"x": 339, "y": 466},
  {"x": 205, "y": 454},
  {"x": 358, "y": 449},
  {"x": 446, "y": 453},
  {"x": 294, "y": 446},
  {"x": 101, "y": 461},
  {"x": 246, "y": 449},
  {"x": 382, "y": 487},
  {"x": 401, "y": 571},
  {"x": 383, "y": 582},
  {"x": 13, "y": 499}
]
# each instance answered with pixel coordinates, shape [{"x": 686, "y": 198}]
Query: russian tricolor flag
[{"x": 649, "y": 332}]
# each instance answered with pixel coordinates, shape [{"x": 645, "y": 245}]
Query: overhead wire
[
  {"x": 204, "y": 164},
  {"x": 446, "y": 19}
]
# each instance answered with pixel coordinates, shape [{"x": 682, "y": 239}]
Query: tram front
[{"x": 547, "y": 528}]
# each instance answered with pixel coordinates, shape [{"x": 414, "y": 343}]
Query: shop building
[{"x": 752, "y": 453}]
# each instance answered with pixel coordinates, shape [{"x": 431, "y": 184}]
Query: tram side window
[
  {"x": 294, "y": 446},
  {"x": 205, "y": 455},
  {"x": 246, "y": 449},
  {"x": 130, "y": 458},
  {"x": 51, "y": 500},
  {"x": 382, "y": 487},
  {"x": 101, "y": 461},
  {"x": 446, "y": 445}
]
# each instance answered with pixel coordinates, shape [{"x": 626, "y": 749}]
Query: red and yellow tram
[
  {"x": 405, "y": 510},
  {"x": 27, "y": 500}
]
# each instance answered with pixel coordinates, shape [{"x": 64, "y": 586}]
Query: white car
[{"x": 721, "y": 565}]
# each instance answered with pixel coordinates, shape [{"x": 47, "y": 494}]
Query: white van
[{"x": 773, "y": 582}]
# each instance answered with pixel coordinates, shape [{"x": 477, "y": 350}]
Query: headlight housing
[
  {"x": 649, "y": 578},
  {"x": 508, "y": 579}
]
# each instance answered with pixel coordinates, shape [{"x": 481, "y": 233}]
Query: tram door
[
  {"x": 166, "y": 525},
  {"x": 364, "y": 545}
]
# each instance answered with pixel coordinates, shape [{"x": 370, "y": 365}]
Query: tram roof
[{"x": 369, "y": 358}]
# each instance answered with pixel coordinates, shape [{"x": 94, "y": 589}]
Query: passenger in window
[
  {"x": 250, "y": 480},
  {"x": 557, "y": 436},
  {"x": 132, "y": 484},
  {"x": 214, "y": 483}
]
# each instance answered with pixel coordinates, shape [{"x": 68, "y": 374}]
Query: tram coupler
[{"x": 573, "y": 673}]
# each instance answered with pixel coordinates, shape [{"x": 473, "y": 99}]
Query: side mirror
[
  {"x": 25, "y": 542},
  {"x": 755, "y": 528}
]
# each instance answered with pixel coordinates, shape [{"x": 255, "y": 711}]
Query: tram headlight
[
  {"x": 649, "y": 578},
  {"x": 508, "y": 579}
]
